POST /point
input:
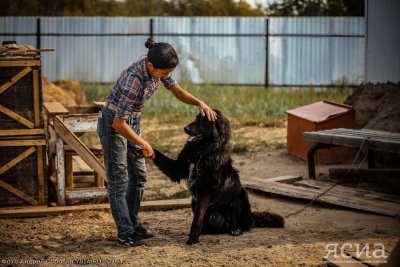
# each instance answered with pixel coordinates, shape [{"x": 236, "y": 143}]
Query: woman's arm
[
  {"x": 188, "y": 98},
  {"x": 123, "y": 128}
]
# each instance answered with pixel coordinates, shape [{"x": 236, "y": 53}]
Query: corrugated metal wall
[
  {"x": 383, "y": 41},
  {"x": 224, "y": 50}
]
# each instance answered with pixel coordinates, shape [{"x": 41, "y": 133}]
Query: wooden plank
[
  {"x": 354, "y": 137},
  {"x": 69, "y": 172},
  {"x": 22, "y": 143},
  {"x": 72, "y": 140},
  {"x": 16, "y": 117},
  {"x": 85, "y": 193},
  {"x": 361, "y": 133},
  {"x": 40, "y": 164},
  {"x": 362, "y": 172},
  {"x": 287, "y": 179},
  {"x": 19, "y": 63},
  {"x": 17, "y": 160},
  {"x": 36, "y": 97},
  {"x": 374, "y": 206},
  {"x": 46, "y": 211},
  {"x": 22, "y": 132},
  {"x": 60, "y": 167},
  {"x": 55, "y": 108},
  {"x": 99, "y": 104},
  {"x": 14, "y": 79},
  {"x": 341, "y": 261},
  {"x": 347, "y": 191},
  {"x": 99, "y": 180},
  {"x": 81, "y": 123},
  {"x": 363, "y": 257},
  {"x": 18, "y": 193}
]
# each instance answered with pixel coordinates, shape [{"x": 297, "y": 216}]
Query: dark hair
[{"x": 161, "y": 55}]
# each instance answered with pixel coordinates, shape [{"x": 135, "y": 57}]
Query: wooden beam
[
  {"x": 287, "y": 179},
  {"x": 55, "y": 108},
  {"x": 17, "y": 160},
  {"x": 22, "y": 143},
  {"x": 20, "y": 63},
  {"x": 69, "y": 172},
  {"x": 99, "y": 104},
  {"x": 46, "y": 211},
  {"x": 36, "y": 97},
  {"x": 18, "y": 193},
  {"x": 60, "y": 167},
  {"x": 21, "y": 132},
  {"x": 40, "y": 167},
  {"x": 16, "y": 117},
  {"x": 338, "y": 172},
  {"x": 84, "y": 152},
  {"x": 15, "y": 79}
]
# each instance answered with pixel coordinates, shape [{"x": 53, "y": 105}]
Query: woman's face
[{"x": 157, "y": 73}]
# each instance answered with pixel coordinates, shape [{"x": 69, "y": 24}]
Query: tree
[{"x": 316, "y": 8}]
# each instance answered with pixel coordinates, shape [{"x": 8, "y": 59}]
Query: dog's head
[{"x": 211, "y": 133}]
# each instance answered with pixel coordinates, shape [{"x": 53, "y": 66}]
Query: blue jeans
[{"x": 126, "y": 177}]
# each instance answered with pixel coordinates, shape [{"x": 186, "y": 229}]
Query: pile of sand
[
  {"x": 67, "y": 92},
  {"x": 377, "y": 106}
]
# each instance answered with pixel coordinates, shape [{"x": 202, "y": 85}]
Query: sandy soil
[{"x": 89, "y": 237}]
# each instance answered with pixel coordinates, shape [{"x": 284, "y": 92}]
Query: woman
[{"x": 119, "y": 131}]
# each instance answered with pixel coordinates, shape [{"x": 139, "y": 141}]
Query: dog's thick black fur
[{"x": 219, "y": 202}]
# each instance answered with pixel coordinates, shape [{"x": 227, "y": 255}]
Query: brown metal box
[{"x": 314, "y": 117}]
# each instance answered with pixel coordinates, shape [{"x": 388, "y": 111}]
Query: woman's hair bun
[{"x": 150, "y": 43}]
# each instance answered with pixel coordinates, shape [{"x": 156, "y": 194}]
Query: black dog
[{"x": 219, "y": 202}]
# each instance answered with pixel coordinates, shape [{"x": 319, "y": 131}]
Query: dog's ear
[{"x": 221, "y": 130}]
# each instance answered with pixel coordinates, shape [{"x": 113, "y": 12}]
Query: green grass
[{"x": 243, "y": 105}]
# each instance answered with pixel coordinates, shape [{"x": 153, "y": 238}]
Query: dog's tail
[{"x": 267, "y": 219}]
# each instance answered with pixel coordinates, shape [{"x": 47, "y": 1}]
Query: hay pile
[{"x": 67, "y": 92}]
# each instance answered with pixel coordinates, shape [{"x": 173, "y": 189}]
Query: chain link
[{"x": 352, "y": 167}]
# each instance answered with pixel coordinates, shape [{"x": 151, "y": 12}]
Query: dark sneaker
[
  {"x": 143, "y": 233},
  {"x": 131, "y": 241}
]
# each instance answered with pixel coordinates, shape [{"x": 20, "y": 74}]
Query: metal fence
[{"x": 219, "y": 50}]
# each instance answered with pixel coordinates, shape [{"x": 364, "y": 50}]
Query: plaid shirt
[{"x": 133, "y": 87}]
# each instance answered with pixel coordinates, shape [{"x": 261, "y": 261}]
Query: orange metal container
[{"x": 314, "y": 117}]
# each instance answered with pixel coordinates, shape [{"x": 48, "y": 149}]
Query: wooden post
[
  {"x": 69, "y": 172},
  {"x": 98, "y": 179},
  {"x": 40, "y": 163},
  {"x": 60, "y": 172}
]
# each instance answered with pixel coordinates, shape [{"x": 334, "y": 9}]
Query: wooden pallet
[{"x": 348, "y": 197}]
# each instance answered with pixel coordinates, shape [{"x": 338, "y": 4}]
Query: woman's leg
[
  {"x": 116, "y": 165},
  {"x": 137, "y": 174}
]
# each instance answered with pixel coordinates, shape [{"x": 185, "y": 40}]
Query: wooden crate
[
  {"x": 22, "y": 171},
  {"x": 21, "y": 109},
  {"x": 314, "y": 117},
  {"x": 65, "y": 127}
]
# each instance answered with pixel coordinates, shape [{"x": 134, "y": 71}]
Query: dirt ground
[{"x": 89, "y": 237}]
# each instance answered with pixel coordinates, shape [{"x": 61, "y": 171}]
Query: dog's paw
[
  {"x": 236, "y": 232},
  {"x": 192, "y": 241}
]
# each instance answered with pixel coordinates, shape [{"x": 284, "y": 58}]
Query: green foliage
[
  {"x": 243, "y": 105},
  {"x": 316, "y": 8},
  {"x": 179, "y": 8}
]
